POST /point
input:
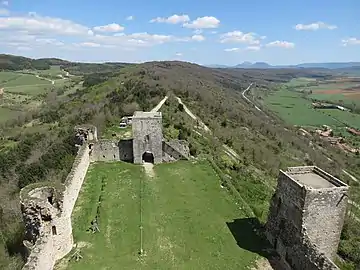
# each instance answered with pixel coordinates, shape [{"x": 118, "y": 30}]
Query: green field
[
  {"x": 301, "y": 81},
  {"x": 186, "y": 220},
  {"x": 295, "y": 110}
]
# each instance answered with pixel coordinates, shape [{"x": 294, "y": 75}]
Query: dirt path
[
  {"x": 149, "y": 169},
  {"x": 157, "y": 107},
  {"x": 351, "y": 176},
  {"x": 46, "y": 79},
  {"x": 202, "y": 125}
]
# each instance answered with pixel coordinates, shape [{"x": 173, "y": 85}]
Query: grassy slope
[{"x": 185, "y": 215}]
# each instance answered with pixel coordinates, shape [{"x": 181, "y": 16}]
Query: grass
[
  {"x": 120, "y": 133},
  {"x": 295, "y": 110},
  {"x": 7, "y": 114},
  {"x": 187, "y": 220},
  {"x": 25, "y": 79},
  {"x": 301, "y": 81}
]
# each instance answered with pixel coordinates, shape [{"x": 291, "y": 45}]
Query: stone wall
[
  {"x": 147, "y": 136},
  {"x": 306, "y": 256},
  {"x": 304, "y": 223},
  {"x": 324, "y": 214},
  {"x": 177, "y": 149},
  {"x": 111, "y": 150},
  {"x": 126, "y": 150},
  {"x": 105, "y": 150},
  {"x": 48, "y": 218}
]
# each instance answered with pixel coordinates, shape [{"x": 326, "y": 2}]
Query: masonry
[
  {"x": 306, "y": 217},
  {"x": 47, "y": 207}
]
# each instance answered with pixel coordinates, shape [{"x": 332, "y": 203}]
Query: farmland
[
  {"x": 186, "y": 220},
  {"x": 340, "y": 90},
  {"x": 295, "y": 110},
  {"x": 22, "y": 91}
]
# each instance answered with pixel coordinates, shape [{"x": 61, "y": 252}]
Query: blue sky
[{"x": 205, "y": 32}]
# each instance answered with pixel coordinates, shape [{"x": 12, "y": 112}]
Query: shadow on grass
[{"x": 249, "y": 235}]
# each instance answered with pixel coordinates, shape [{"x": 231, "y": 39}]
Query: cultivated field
[
  {"x": 295, "y": 110},
  {"x": 187, "y": 220},
  {"x": 340, "y": 90}
]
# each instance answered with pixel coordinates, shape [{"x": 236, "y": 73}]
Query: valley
[{"x": 242, "y": 127}]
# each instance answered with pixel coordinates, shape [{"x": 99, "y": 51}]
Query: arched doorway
[{"x": 148, "y": 157}]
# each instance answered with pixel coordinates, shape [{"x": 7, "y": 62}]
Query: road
[
  {"x": 247, "y": 99},
  {"x": 157, "y": 107}
]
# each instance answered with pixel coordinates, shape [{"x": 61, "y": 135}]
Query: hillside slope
[{"x": 263, "y": 144}]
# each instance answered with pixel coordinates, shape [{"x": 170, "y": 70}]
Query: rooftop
[
  {"x": 140, "y": 114},
  {"x": 313, "y": 177}
]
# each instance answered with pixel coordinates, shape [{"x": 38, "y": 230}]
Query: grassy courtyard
[{"x": 185, "y": 215}]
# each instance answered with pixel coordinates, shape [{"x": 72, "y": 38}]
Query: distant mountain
[
  {"x": 264, "y": 65},
  {"x": 330, "y": 65},
  {"x": 254, "y": 65}
]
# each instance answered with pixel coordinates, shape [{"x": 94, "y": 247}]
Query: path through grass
[{"x": 184, "y": 219}]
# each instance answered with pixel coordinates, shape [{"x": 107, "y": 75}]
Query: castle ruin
[
  {"x": 306, "y": 217},
  {"x": 47, "y": 206}
]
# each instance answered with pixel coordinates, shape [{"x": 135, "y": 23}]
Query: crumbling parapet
[
  {"x": 306, "y": 217},
  {"x": 46, "y": 209},
  {"x": 85, "y": 133}
]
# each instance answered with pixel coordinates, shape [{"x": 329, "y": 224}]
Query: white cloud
[
  {"x": 315, "y": 26},
  {"x": 4, "y": 12},
  {"x": 179, "y": 54},
  {"x": 197, "y": 31},
  {"x": 198, "y": 37},
  {"x": 239, "y": 37},
  {"x": 213, "y": 32},
  {"x": 112, "y": 27},
  {"x": 281, "y": 44},
  {"x": 232, "y": 50},
  {"x": 88, "y": 44},
  {"x": 203, "y": 22},
  {"x": 174, "y": 19},
  {"x": 130, "y": 18},
  {"x": 40, "y": 25},
  {"x": 23, "y": 48},
  {"x": 253, "y": 48},
  {"x": 5, "y": 3},
  {"x": 350, "y": 41},
  {"x": 50, "y": 41}
]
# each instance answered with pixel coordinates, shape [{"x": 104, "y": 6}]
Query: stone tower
[
  {"x": 306, "y": 217},
  {"x": 147, "y": 137}
]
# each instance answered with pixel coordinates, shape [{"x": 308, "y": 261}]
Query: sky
[{"x": 208, "y": 32}]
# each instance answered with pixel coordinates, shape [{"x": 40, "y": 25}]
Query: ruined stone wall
[
  {"x": 306, "y": 256},
  {"x": 177, "y": 149},
  {"x": 324, "y": 213},
  {"x": 111, "y": 150},
  {"x": 285, "y": 216},
  {"x": 304, "y": 224},
  {"x": 47, "y": 222},
  {"x": 42, "y": 256},
  {"x": 147, "y": 136},
  {"x": 126, "y": 150},
  {"x": 105, "y": 150}
]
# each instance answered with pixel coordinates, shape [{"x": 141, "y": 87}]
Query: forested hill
[
  {"x": 43, "y": 149},
  {"x": 13, "y": 62}
]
